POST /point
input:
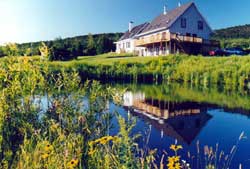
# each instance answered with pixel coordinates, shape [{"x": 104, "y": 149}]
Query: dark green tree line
[{"x": 66, "y": 49}]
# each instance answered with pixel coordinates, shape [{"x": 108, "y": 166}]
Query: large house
[{"x": 181, "y": 30}]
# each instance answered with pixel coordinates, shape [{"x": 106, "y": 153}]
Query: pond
[{"x": 193, "y": 117}]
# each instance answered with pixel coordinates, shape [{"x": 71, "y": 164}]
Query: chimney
[
  {"x": 165, "y": 10},
  {"x": 130, "y": 26},
  {"x": 179, "y": 4}
]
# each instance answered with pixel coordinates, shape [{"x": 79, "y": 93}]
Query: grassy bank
[{"x": 230, "y": 72}]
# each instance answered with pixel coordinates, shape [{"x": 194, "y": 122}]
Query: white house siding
[
  {"x": 121, "y": 47},
  {"x": 192, "y": 16}
]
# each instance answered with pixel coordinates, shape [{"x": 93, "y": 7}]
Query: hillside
[
  {"x": 242, "y": 31},
  {"x": 237, "y": 36}
]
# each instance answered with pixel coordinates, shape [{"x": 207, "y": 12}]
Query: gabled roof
[
  {"x": 135, "y": 31},
  {"x": 165, "y": 21}
]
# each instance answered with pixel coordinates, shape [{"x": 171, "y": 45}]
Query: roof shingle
[
  {"x": 165, "y": 21},
  {"x": 135, "y": 31}
]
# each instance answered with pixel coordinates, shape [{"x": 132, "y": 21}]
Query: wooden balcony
[
  {"x": 183, "y": 38},
  {"x": 152, "y": 39},
  {"x": 165, "y": 37}
]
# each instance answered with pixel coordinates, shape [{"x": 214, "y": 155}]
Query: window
[
  {"x": 200, "y": 25},
  {"x": 128, "y": 45},
  {"x": 183, "y": 22}
]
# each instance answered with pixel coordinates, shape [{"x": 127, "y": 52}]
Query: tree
[
  {"x": 11, "y": 49},
  {"x": 28, "y": 52},
  {"x": 2, "y": 51},
  {"x": 104, "y": 45},
  {"x": 45, "y": 52},
  {"x": 91, "y": 50}
]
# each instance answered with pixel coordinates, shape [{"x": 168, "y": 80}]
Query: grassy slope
[{"x": 108, "y": 59}]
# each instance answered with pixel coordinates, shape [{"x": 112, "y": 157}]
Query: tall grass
[{"x": 230, "y": 72}]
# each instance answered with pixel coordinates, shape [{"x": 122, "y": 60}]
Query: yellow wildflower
[
  {"x": 54, "y": 127},
  {"x": 174, "y": 162},
  {"x": 73, "y": 163},
  {"x": 91, "y": 143},
  {"x": 175, "y": 147},
  {"x": 46, "y": 155},
  {"x": 91, "y": 152},
  {"x": 102, "y": 140},
  {"x": 25, "y": 60},
  {"x": 48, "y": 147},
  {"x": 115, "y": 139},
  {"x": 105, "y": 140}
]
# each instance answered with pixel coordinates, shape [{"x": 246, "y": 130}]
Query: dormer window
[
  {"x": 183, "y": 22},
  {"x": 200, "y": 25}
]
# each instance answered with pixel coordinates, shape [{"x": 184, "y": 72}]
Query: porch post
[
  {"x": 153, "y": 49},
  {"x": 170, "y": 47},
  {"x": 174, "y": 48}
]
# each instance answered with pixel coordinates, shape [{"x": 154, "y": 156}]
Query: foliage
[
  {"x": 45, "y": 52},
  {"x": 232, "y": 73},
  {"x": 242, "y": 31},
  {"x": 240, "y": 42},
  {"x": 237, "y": 36},
  {"x": 11, "y": 49},
  {"x": 65, "y": 49},
  {"x": 91, "y": 50}
]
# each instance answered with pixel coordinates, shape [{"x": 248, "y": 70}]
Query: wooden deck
[{"x": 166, "y": 37}]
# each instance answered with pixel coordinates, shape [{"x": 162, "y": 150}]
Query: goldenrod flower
[
  {"x": 174, "y": 162},
  {"x": 102, "y": 140}
]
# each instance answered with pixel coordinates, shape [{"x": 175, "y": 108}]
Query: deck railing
[
  {"x": 152, "y": 39},
  {"x": 183, "y": 38},
  {"x": 165, "y": 37}
]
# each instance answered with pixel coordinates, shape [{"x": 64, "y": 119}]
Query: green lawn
[{"x": 109, "y": 59}]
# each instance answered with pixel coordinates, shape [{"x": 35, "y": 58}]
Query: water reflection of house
[{"x": 182, "y": 121}]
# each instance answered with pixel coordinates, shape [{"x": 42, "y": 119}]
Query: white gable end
[{"x": 192, "y": 16}]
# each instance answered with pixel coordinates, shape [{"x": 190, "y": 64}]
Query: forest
[
  {"x": 237, "y": 36},
  {"x": 65, "y": 49},
  {"x": 235, "y": 32}
]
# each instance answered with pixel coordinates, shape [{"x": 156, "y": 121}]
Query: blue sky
[{"x": 34, "y": 20}]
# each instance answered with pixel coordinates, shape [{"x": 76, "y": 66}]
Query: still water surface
[{"x": 190, "y": 116}]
